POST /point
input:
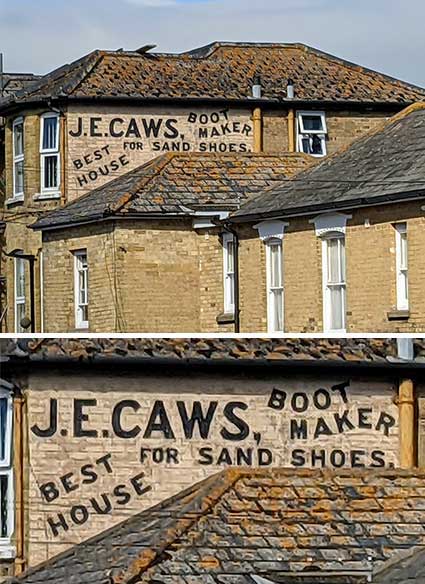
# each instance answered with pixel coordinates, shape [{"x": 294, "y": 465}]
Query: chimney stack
[
  {"x": 290, "y": 93},
  {"x": 256, "y": 86}
]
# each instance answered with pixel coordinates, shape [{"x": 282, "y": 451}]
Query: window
[
  {"x": 6, "y": 476},
  {"x": 81, "y": 290},
  {"x": 274, "y": 285},
  {"x": 401, "y": 266},
  {"x": 334, "y": 284},
  {"x": 20, "y": 290},
  {"x": 229, "y": 272},
  {"x": 18, "y": 158},
  {"x": 49, "y": 154},
  {"x": 311, "y": 131}
]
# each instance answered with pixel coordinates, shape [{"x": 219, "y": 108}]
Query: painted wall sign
[
  {"x": 105, "y": 144},
  {"x": 123, "y": 451}
]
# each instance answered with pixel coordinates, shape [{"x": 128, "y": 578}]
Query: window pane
[
  {"x": 4, "y": 484},
  {"x": 305, "y": 145},
  {"x": 18, "y": 134},
  {"x": 20, "y": 313},
  {"x": 337, "y": 308},
  {"x": 230, "y": 257},
  {"x": 316, "y": 145},
  {"x": 20, "y": 278},
  {"x": 403, "y": 251},
  {"x": 313, "y": 123},
  {"x": 277, "y": 304},
  {"x": 3, "y": 419},
  {"x": 19, "y": 177},
  {"x": 275, "y": 265},
  {"x": 50, "y": 172},
  {"x": 49, "y": 133},
  {"x": 333, "y": 261}
]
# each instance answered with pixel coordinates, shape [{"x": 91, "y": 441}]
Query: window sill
[
  {"x": 225, "y": 318},
  {"x": 398, "y": 315},
  {"x": 46, "y": 196},
  {"x": 7, "y": 551},
  {"x": 13, "y": 200}
]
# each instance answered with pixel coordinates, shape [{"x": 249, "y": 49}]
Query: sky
[{"x": 37, "y": 36}]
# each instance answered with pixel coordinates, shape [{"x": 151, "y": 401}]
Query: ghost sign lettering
[
  {"x": 335, "y": 426},
  {"x": 101, "y": 146}
]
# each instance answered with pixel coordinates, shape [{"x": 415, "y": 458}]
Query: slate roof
[
  {"x": 223, "y": 71},
  {"x": 386, "y": 165},
  {"x": 175, "y": 183},
  {"x": 350, "y": 351},
  {"x": 242, "y": 523},
  {"x": 14, "y": 82}
]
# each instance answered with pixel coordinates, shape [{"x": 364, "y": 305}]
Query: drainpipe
[
  {"x": 406, "y": 405},
  {"x": 18, "y": 402},
  {"x": 290, "y": 94},
  {"x": 257, "y": 116},
  {"x": 291, "y": 130}
]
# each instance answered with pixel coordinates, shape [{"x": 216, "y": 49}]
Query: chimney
[
  {"x": 290, "y": 93},
  {"x": 256, "y": 86}
]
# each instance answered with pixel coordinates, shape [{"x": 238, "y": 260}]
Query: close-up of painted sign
[{"x": 124, "y": 451}]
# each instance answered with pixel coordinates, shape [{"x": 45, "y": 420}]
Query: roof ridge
[
  {"x": 206, "y": 51},
  {"x": 211, "y": 491}
]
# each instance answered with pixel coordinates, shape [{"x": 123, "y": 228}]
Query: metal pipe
[
  {"x": 19, "y": 484},
  {"x": 291, "y": 130},
  {"x": 406, "y": 405},
  {"x": 257, "y": 119}
]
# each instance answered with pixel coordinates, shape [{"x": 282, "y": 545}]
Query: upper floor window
[
  {"x": 18, "y": 158},
  {"x": 20, "y": 294},
  {"x": 229, "y": 273},
  {"x": 401, "y": 266},
  {"x": 49, "y": 153},
  {"x": 6, "y": 479},
  {"x": 81, "y": 289},
  {"x": 274, "y": 272},
  {"x": 311, "y": 131},
  {"x": 334, "y": 282}
]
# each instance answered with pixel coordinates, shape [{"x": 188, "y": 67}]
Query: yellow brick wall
[
  {"x": 371, "y": 273},
  {"x": 268, "y": 429},
  {"x": 343, "y": 127},
  {"x": 59, "y": 307}
]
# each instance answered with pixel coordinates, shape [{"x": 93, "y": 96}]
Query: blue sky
[{"x": 387, "y": 35}]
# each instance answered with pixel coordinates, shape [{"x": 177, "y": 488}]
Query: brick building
[
  {"x": 246, "y": 242},
  {"x": 10, "y": 84},
  {"x": 106, "y": 429},
  {"x": 111, "y": 111}
]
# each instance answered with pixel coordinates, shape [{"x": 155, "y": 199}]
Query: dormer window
[{"x": 312, "y": 131}]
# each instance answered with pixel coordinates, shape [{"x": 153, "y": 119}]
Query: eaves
[{"x": 329, "y": 206}]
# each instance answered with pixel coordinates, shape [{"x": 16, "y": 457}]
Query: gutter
[
  {"x": 274, "y": 102},
  {"x": 344, "y": 205}
]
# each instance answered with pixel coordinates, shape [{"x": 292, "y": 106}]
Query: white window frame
[
  {"x": 401, "y": 269},
  {"x": 80, "y": 322},
  {"x": 19, "y": 300},
  {"x": 302, "y": 132},
  {"x": 6, "y": 550},
  {"x": 326, "y": 287},
  {"x": 18, "y": 158},
  {"x": 48, "y": 152},
  {"x": 271, "y": 296},
  {"x": 228, "y": 274}
]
